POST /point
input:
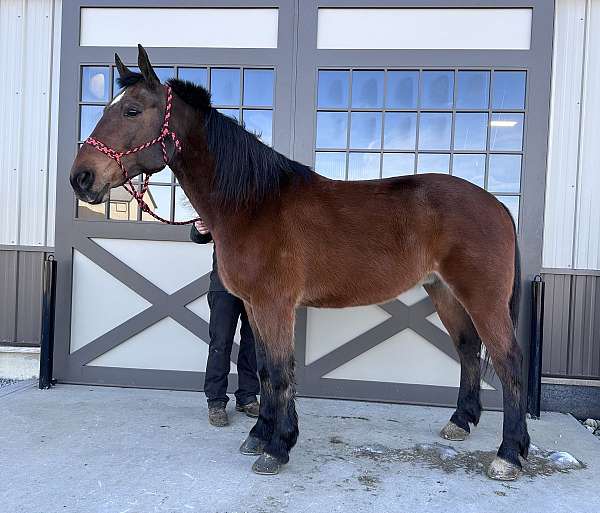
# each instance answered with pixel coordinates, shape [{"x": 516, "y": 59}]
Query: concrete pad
[{"x": 94, "y": 449}]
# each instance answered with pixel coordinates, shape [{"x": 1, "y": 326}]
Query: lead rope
[{"x": 117, "y": 156}]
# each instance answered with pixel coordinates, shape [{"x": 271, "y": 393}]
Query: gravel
[{"x": 4, "y": 382}]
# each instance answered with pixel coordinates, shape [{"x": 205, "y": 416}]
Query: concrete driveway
[{"x": 93, "y": 449}]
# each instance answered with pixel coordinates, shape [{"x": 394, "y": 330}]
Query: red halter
[{"x": 117, "y": 156}]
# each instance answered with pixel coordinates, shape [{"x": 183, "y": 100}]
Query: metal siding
[
  {"x": 8, "y": 295},
  {"x": 29, "y": 297},
  {"x": 587, "y": 231},
  {"x": 26, "y": 36},
  {"x": 563, "y": 154}
]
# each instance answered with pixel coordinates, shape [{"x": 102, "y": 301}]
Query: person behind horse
[{"x": 225, "y": 310}]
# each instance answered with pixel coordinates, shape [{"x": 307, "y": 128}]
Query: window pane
[
  {"x": 258, "y": 87},
  {"x": 470, "y": 131},
  {"x": 164, "y": 74},
  {"x": 433, "y": 163},
  {"x": 367, "y": 89},
  {"x": 260, "y": 122},
  {"x": 90, "y": 115},
  {"x": 402, "y": 89},
  {"x": 332, "y": 129},
  {"x": 225, "y": 86},
  {"x": 363, "y": 166},
  {"x": 400, "y": 131},
  {"x": 90, "y": 212},
  {"x": 331, "y": 165},
  {"x": 437, "y": 89},
  {"x": 162, "y": 176},
  {"x": 122, "y": 207},
  {"x": 398, "y": 164},
  {"x": 434, "y": 131},
  {"x": 232, "y": 113},
  {"x": 158, "y": 198},
  {"x": 505, "y": 173},
  {"x": 508, "y": 90},
  {"x": 469, "y": 167},
  {"x": 512, "y": 203},
  {"x": 506, "y": 132},
  {"x": 94, "y": 84},
  {"x": 333, "y": 89},
  {"x": 365, "y": 130},
  {"x": 183, "y": 208},
  {"x": 198, "y": 76},
  {"x": 473, "y": 89},
  {"x": 116, "y": 88}
]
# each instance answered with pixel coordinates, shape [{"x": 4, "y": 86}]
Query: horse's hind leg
[
  {"x": 468, "y": 344},
  {"x": 276, "y": 429}
]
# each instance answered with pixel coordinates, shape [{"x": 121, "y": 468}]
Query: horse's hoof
[
  {"x": 266, "y": 465},
  {"x": 453, "y": 432},
  {"x": 502, "y": 470},
  {"x": 252, "y": 446}
]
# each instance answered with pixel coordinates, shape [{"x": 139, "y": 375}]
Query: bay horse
[{"x": 287, "y": 237}]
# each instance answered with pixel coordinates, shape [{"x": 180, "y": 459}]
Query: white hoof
[
  {"x": 502, "y": 470},
  {"x": 453, "y": 432}
]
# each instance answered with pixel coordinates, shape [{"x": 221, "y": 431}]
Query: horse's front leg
[{"x": 276, "y": 429}]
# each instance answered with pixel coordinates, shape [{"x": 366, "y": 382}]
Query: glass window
[
  {"x": 470, "y": 131},
  {"x": 225, "y": 86},
  {"x": 332, "y": 129},
  {"x": 504, "y": 173},
  {"x": 363, "y": 166},
  {"x": 400, "y": 131},
  {"x": 333, "y": 89},
  {"x": 437, "y": 89},
  {"x": 95, "y": 83},
  {"x": 331, "y": 164},
  {"x": 506, "y": 132},
  {"x": 512, "y": 203},
  {"x": 435, "y": 129},
  {"x": 158, "y": 198},
  {"x": 260, "y": 122},
  {"x": 367, "y": 89},
  {"x": 90, "y": 115},
  {"x": 198, "y": 76},
  {"x": 472, "y": 89},
  {"x": 398, "y": 164},
  {"x": 402, "y": 89},
  {"x": 164, "y": 74},
  {"x": 469, "y": 167},
  {"x": 508, "y": 90},
  {"x": 258, "y": 87},
  {"x": 232, "y": 113},
  {"x": 365, "y": 131},
  {"x": 433, "y": 163}
]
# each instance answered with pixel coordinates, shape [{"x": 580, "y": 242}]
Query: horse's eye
[{"x": 131, "y": 113}]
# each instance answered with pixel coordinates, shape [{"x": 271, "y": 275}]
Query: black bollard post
[
  {"x": 47, "y": 328},
  {"x": 535, "y": 355}
]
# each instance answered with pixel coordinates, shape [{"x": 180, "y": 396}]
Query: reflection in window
[
  {"x": 95, "y": 83},
  {"x": 506, "y": 132},
  {"x": 402, "y": 89},
  {"x": 363, "y": 166},
  {"x": 332, "y": 89},
  {"x": 367, "y": 89},
  {"x": 332, "y": 129},
  {"x": 258, "y": 87},
  {"x": 435, "y": 129},
  {"x": 225, "y": 86},
  {"x": 437, "y": 89},
  {"x": 433, "y": 163},
  {"x": 470, "y": 167},
  {"x": 232, "y": 113},
  {"x": 198, "y": 76},
  {"x": 505, "y": 173},
  {"x": 260, "y": 122},
  {"x": 472, "y": 89},
  {"x": 398, "y": 164},
  {"x": 365, "y": 130},
  {"x": 400, "y": 131},
  {"x": 470, "y": 131},
  {"x": 508, "y": 90},
  {"x": 331, "y": 164},
  {"x": 90, "y": 115}
]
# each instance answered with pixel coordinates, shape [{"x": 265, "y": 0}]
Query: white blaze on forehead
[{"x": 117, "y": 99}]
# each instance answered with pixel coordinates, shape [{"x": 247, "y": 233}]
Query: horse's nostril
[{"x": 85, "y": 179}]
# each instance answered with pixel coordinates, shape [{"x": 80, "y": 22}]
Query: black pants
[{"x": 225, "y": 310}]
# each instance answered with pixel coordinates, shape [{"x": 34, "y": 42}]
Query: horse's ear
[
  {"x": 123, "y": 70},
  {"x": 146, "y": 68}
]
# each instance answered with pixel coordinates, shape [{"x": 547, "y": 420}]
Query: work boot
[
  {"x": 251, "y": 409},
  {"x": 217, "y": 416}
]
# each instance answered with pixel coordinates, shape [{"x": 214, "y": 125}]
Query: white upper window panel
[
  {"x": 178, "y": 27},
  {"x": 424, "y": 29}
]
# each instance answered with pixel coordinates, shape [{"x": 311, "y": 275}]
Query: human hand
[{"x": 201, "y": 227}]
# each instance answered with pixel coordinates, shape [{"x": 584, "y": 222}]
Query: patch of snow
[{"x": 564, "y": 460}]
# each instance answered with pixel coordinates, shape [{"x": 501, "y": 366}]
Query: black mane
[{"x": 247, "y": 171}]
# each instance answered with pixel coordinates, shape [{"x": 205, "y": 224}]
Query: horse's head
[{"x": 132, "y": 119}]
